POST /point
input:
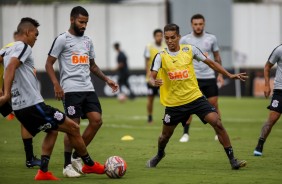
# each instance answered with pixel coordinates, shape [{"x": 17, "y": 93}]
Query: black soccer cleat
[
  {"x": 33, "y": 162},
  {"x": 153, "y": 162},
  {"x": 237, "y": 164}
]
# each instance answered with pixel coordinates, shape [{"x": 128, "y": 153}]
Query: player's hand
[
  {"x": 4, "y": 99},
  {"x": 240, "y": 76},
  {"x": 157, "y": 82},
  {"x": 59, "y": 92},
  {"x": 113, "y": 85},
  {"x": 267, "y": 91},
  {"x": 220, "y": 80}
]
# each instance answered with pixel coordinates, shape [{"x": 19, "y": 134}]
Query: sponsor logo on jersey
[
  {"x": 178, "y": 75},
  {"x": 79, "y": 59}
]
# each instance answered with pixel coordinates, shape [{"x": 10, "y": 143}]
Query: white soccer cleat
[
  {"x": 77, "y": 164},
  {"x": 184, "y": 138},
  {"x": 216, "y": 138},
  {"x": 69, "y": 172}
]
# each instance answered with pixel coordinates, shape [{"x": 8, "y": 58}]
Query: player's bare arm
[
  {"x": 153, "y": 79},
  {"x": 59, "y": 92},
  {"x": 267, "y": 69},
  {"x": 217, "y": 59},
  {"x": 217, "y": 67},
  {"x": 8, "y": 79},
  {"x": 96, "y": 70}
]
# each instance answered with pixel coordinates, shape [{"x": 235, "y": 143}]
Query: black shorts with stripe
[
  {"x": 78, "y": 104},
  {"x": 40, "y": 117},
  {"x": 276, "y": 101},
  {"x": 208, "y": 87},
  {"x": 180, "y": 114}
]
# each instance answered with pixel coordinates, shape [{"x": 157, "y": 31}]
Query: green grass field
[{"x": 201, "y": 160}]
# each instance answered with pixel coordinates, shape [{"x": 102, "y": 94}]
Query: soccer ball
[
  {"x": 122, "y": 97},
  {"x": 115, "y": 167}
]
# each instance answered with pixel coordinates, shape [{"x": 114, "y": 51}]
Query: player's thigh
[{"x": 213, "y": 101}]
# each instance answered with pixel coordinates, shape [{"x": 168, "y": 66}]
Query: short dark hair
[
  {"x": 197, "y": 16},
  {"x": 116, "y": 45},
  {"x": 157, "y": 31},
  {"x": 78, "y": 10},
  {"x": 172, "y": 27},
  {"x": 26, "y": 23}
]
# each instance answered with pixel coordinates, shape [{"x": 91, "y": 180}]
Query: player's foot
[
  {"x": 216, "y": 138},
  {"x": 45, "y": 176},
  {"x": 184, "y": 138},
  {"x": 10, "y": 116},
  {"x": 257, "y": 153},
  {"x": 237, "y": 164},
  {"x": 96, "y": 168},
  {"x": 77, "y": 164},
  {"x": 33, "y": 162},
  {"x": 70, "y": 172},
  {"x": 153, "y": 162}
]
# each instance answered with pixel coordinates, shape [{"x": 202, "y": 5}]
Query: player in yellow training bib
[{"x": 180, "y": 93}]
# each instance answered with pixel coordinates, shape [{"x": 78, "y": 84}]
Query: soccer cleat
[
  {"x": 153, "y": 162},
  {"x": 184, "y": 138},
  {"x": 237, "y": 164},
  {"x": 45, "y": 176},
  {"x": 257, "y": 153},
  {"x": 11, "y": 116},
  {"x": 77, "y": 164},
  {"x": 70, "y": 172},
  {"x": 96, "y": 168},
  {"x": 33, "y": 162},
  {"x": 216, "y": 138}
]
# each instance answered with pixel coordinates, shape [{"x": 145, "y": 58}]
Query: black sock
[
  {"x": 150, "y": 118},
  {"x": 260, "y": 144},
  {"x": 186, "y": 129},
  {"x": 44, "y": 163},
  {"x": 75, "y": 155},
  {"x": 67, "y": 159},
  {"x": 229, "y": 152},
  {"x": 87, "y": 160},
  {"x": 28, "y": 148}
]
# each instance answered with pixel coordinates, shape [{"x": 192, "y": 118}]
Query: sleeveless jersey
[{"x": 180, "y": 85}]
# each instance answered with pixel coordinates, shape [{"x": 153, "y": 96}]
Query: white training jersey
[
  {"x": 74, "y": 53},
  {"x": 276, "y": 57},
  {"x": 25, "y": 89},
  {"x": 207, "y": 43}
]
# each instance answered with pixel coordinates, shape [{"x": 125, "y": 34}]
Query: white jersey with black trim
[
  {"x": 74, "y": 53},
  {"x": 25, "y": 89},
  {"x": 207, "y": 43}
]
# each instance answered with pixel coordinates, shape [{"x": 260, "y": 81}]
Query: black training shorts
[
  {"x": 6, "y": 109},
  {"x": 152, "y": 91},
  {"x": 276, "y": 101},
  {"x": 78, "y": 104},
  {"x": 40, "y": 117},
  {"x": 180, "y": 114},
  {"x": 208, "y": 87}
]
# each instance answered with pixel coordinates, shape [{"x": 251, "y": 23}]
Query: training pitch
[{"x": 201, "y": 160}]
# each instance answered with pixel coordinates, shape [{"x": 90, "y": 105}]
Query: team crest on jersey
[
  {"x": 275, "y": 103},
  {"x": 58, "y": 116},
  {"x": 71, "y": 110},
  {"x": 87, "y": 45},
  {"x": 167, "y": 118},
  {"x": 185, "y": 49}
]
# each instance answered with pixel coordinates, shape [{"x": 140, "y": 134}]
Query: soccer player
[
  {"x": 75, "y": 53},
  {"x": 123, "y": 71},
  {"x": 275, "y": 107},
  {"x": 22, "y": 87},
  {"x": 180, "y": 94},
  {"x": 6, "y": 111},
  {"x": 150, "y": 51},
  {"x": 207, "y": 80}
]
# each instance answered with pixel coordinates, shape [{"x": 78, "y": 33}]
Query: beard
[{"x": 78, "y": 32}]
